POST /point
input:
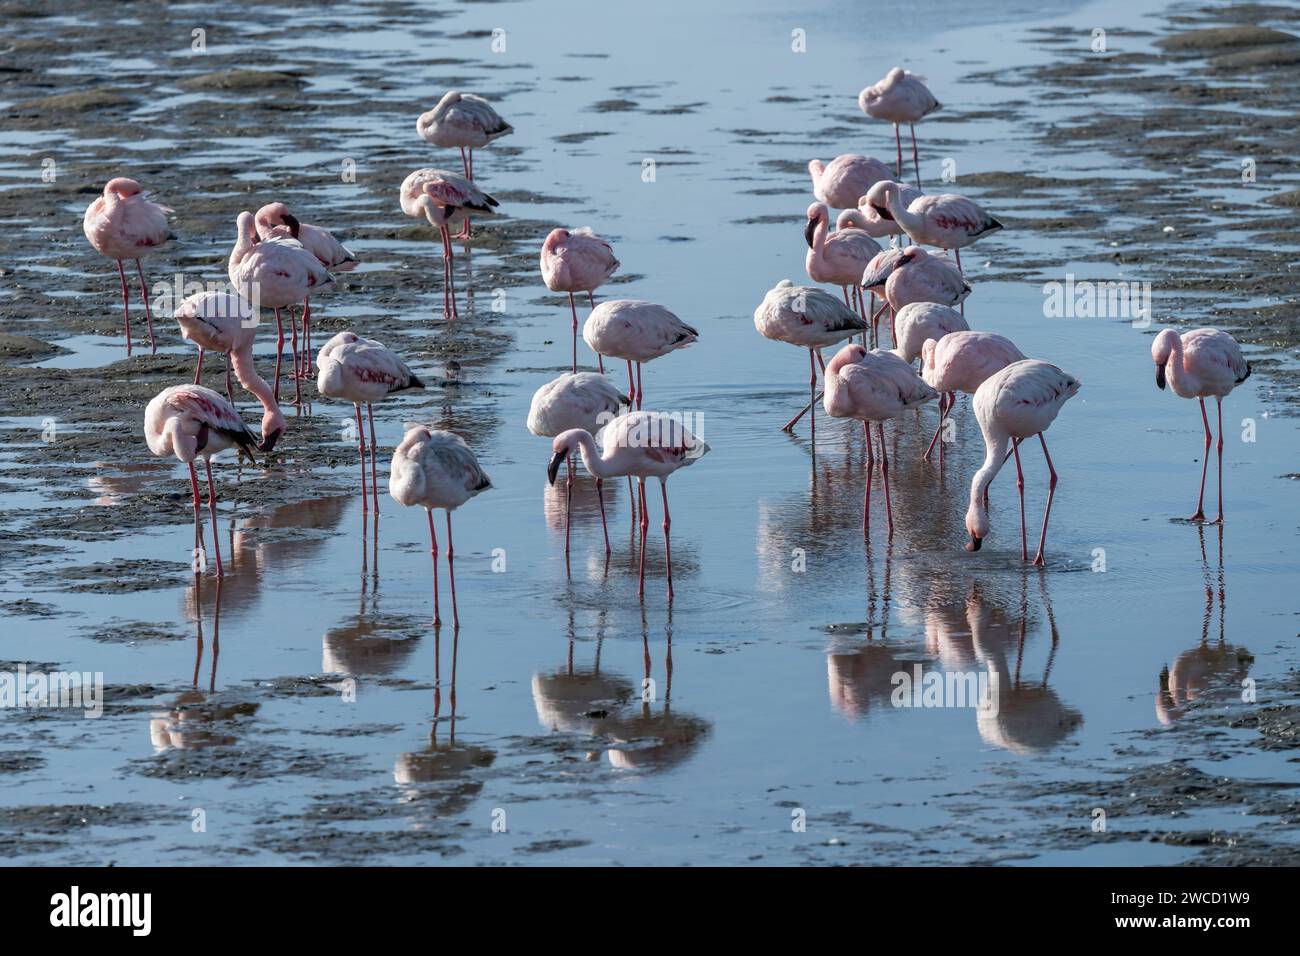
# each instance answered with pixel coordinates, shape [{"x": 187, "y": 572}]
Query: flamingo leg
[
  {"x": 640, "y": 392},
  {"x": 1020, "y": 486},
  {"x": 126, "y": 308},
  {"x": 198, "y": 369},
  {"x": 645, "y": 525},
  {"x": 884, "y": 475},
  {"x": 574, "y": 309},
  {"x": 374, "y": 449},
  {"x": 306, "y": 338},
  {"x": 812, "y": 393},
  {"x": 568, "y": 506},
  {"x": 148, "y": 314},
  {"x": 468, "y": 166},
  {"x": 230, "y": 395},
  {"x": 898, "y": 141},
  {"x": 916, "y": 158},
  {"x": 1219, "y": 402},
  {"x": 943, "y": 412},
  {"x": 893, "y": 328},
  {"x": 871, "y": 467},
  {"x": 451, "y": 574},
  {"x": 1047, "y": 512},
  {"x": 668, "y": 548},
  {"x": 1205, "y": 464},
  {"x": 433, "y": 550},
  {"x": 198, "y": 524},
  {"x": 212, "y": 510},
  {"x": 361, "y": 450},
  {"x": 279, "y": 352},
  {"x": 297, "y": 379},
  {"x": 600, "y": 496},
  {"x": 960, "y": 271}
]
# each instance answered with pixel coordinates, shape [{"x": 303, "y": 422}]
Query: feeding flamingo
[
  {"x": 961, "y": 361},
  {"x": 1199, "y": 364},
  {"x": 466, "y": 121},
  {"x": 223, "y": 322},
  {"x": 191, "y": 421},
  {"x": 635, "y": 331},
  {"x": 585, "y": 400},
  {"x": 840, "y": 257},
  {"x": 873, "y": 386},
  {"x": 904, "y": 276},
  {"x": 917, "y": 322},
  {"x": 640, "y": 445},
  {"x": 811, "y": 319},
  {"x": 870, "y": 204},
  {"x": 1016, "y": 403},
  {"x": 436, "y": 469},
  {"x": 947, "y": 220},
  {"x": 901, "y": 97},
  {"x": 444, "y": 198},
  {"x": 123, "y": 224},
  {"x": 362, "y": 371},
  {"x": 577, "y": 261},
  {"x": 275, "y": 273},
  {"x": 840, "y": 182}
]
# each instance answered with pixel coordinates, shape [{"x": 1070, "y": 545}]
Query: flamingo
[
  {"x": 577, "y": 261},
  {"x": 635, "y": 331},
  {"x": 436, "y": 469},
  {"x": 276, "y": 272},
  {"x": 1197, "y": 364},
  {"x": 840, "y": 182},
  {"x": 191, "y": 421},
  {"x": 362, "y": 371},
  {"x": 640, "y": 445},
  {"x": 1016, "y": 403},
  {"x": 918, "y": 322},
  {"x": 466, "y": 121},
  {"x": 873, "y": 386},
  {"x": 811, "y": 319},
  {"x": 444, "y": 198},
  {"x": 913, "y": 275},
  {"x": 585, "y": 400},
  {"x": 329, "y": 252},
  {"x": 961, "y": 361},
  {"x": 123, "y": 224},
  {"x": 839, "y": 258},
  {"x": 869, "y": 205},
  {"x": 947, "y": 220},
  {"x": 901, "y": 97},
  {"x": 223, "y": 322}
]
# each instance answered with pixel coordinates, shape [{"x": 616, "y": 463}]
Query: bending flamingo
[
  {"x": 913, "y": 275},
  {"x": 444, "y": 198},
  {"x": 362, "y": 371},
  {"x": 1016, "y": 403},
  {"x": 577, "y": 261},
  {"x": 961, "y": 361},
  {"x": 1199, "y": 364},
  {"x": 901, "y": 97},
  {"x": 436, "y": 469},
  {"x": 838, "y": 258},
  {"x": 190, "y": 421},
  {"x": 123, "y": 224},
  {"x": 840, "y": 182},
  {"x": 947, "y": 220},
  {"x": 918, "y": 322},
  {"x": 640, "y": 445},
  {"x": 635, "y": 331},
  {"x": 466, "y": 121},
  {"x": 873, "y": 386}
]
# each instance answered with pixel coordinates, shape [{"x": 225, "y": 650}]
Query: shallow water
[{"x": 772, "y": 685}]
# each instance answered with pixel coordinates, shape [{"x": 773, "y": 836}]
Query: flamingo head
[
  {"x": 894, "y": 75},
  {"x": 818, "y": 213},
  {"x": 273, "y": 426},
  {"x": 561, "y": 448},
  {"x": 880, "y": 268},
  {"x": 852, "y": 219},
  {"x": 1161, "y": 350},
  {"x": 879, "y": 196},
  {"x": 815, "y": 169},
  {"x": 927, "y": 354},
  {"x": 849, "y": 355},
  {"x": 271, "y": 215},
  {"x": 554, "y": 239},
  {"x": 122, "y": 188},
  {"x": 245, "y": 227},
  {"x": 912, "y": 254},
  {"x": 977, "y": 526}
]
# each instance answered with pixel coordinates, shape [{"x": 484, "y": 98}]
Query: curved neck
[
  {"x": 995, "y": 453},
  {"x": 819, "y": 235},
  {"x": 894, "y": 203},
  {"x": 241, "y": 363},
  {"x": 591, "y": 457},
  {"x": 1180, "y": 379}
]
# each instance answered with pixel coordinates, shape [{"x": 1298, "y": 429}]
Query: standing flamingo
[
  {"x": 901, "y": 97},
  {"x": 191, "y": 421},
  {"x": 873, "y": 201},
  {"x": 466, "y": 121},
  {"x": 436, "y": 469},
  {"x": 840, "y": 182},
  {"x": 947, "y": 220},
  {"x": 640, "y": 445},
  {"x": 223, "y": 322},
  {"x": 1197, "y": 364},
  {"x": 1016, "y": 403},
  {"x": 811, "y": 319},
  {"x": 276, "y": 273},
  {"x": 839, "y": 258},
  {"x": 635, "y": 331},
  {"x": 362, "y": 371},
  {"x": 444, "y": 198},
  {"x": 585, "y": 400},
  {"x": 123, "y": 224},
  {"x": 577, "y": 261},
  {"x": 961, "y": 361},
  {"x": 873, "y": 386},
  {"x": 913, "y": 275}
]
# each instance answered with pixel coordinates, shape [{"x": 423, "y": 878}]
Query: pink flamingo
[
  {"x": 577, "y": 261},
  {"x": 873, "y": 201},
  {"x": 585, "y": 400},
  {"x": 444, "y": 198},
  {"x": 362, "y": 371},
  {"x": 329, "y": 252},
  {"x": 901, "y": 97},
  {"x": 947, "y": 220},
  {"x": 913, "y": 275},
  {"x": 466, "y": 121},
  {"x": 640, "y": 445},
  {"x": 873, "y": 386},
  {"x": 918, "y": 321},
  {"x": 436, "y": 469},
  {"x": 1197, "y": 364},
  {"x": 1016, "y": 403},
  {"x": 191, "y": 421},
  {"x": 123, "y": 224},
  {"x": 961, "y": 361},
  {"x": 840, "y": 257},
  {"x": 635, "y": 331},
  {"x": 277, "y": 273},
  {"x": 223, "y": 322},
  {"x": 840, "y": 182},
  {"x": 809, "y": 318}
]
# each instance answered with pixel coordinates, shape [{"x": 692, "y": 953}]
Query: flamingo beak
[
  {"x": 809, "y": 230},
  {"x": 268, "y": 441},
  {"x": 882, "y": 212},
  {"x": 1160, "y": 377},
  {"x": 974, "y": 543},
  {"x": 293, "y": 224},
  {"x": 553, "y": 468}
]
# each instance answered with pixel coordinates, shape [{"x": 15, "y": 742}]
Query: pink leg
[
  {"x": 916, "y": 158},
  {"x": 148, "y": 314},
  {"x": 668, "y": 548},
  {"x": 645, "y": 525},
  {"x": 871, "y": 467},
  {"x": 1020, "y": 487},
  {"x": 446, "y": 277},
  {"x": 306, "y": 338},
  {"x": 293, "y": 347},
  {"x": 451, "y": 574},
  {"x": 957, "y": 252},
  {"x": 361, "y": 450},
  {"x": 212, "y": 510},
  {"x": 1219, "y": 402},
  {"x": 893, "y": 329},
  {"x": 374, "y": 450},
  {"x": 943, "y": 412},
  {"x": 574, "y": 309},
  {"x": 126, "y": 308},
  {"x": 230, "y": 395},
  {"x": 600, "y": 496},
  {"x": 898, "y": 141},
  {"x": 631, "y": 384},
  {"x": 1051, "y": 491},
  {"x": 279, "y": 352},
  {"x": 468, "y": 166},
  {"x": 812, "y": 394},
  {"x": 568, "y": 506},
  {"x": 433, "y": 550},
  {"x": 884, "y": 475},
  {"x": 1205, "y": 464},
  {"x": 640, "y": 392},
  {"x": 198, "y": 369},
  {"x": 198, "y": 523}
]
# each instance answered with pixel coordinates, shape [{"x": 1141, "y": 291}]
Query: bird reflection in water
[{"x": 580, "y": 699}]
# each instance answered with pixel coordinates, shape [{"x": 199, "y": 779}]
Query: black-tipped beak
[
  {"x": 974, "y": 543},
  {"x": 268, "y": 441},
  {"x": 293, "y": 224},
  {"x": 1160, "y": 377},
  {"x": 882, "y": 212},
  {"x": 809, "y": 230},
  {"x": 553, "y": 468}
]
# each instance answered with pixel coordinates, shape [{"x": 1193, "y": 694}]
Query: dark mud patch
[
  {"x": 121, "y": 577},
  {"x": 119, "y": 631}
]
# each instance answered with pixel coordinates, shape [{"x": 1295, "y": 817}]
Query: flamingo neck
[
  {"x": 241, "y": 363},
  {"x": 906, "y": 221},
  {"x": 591, "y": 457},
  {"x": 995, "y": 453},
  {"x": 1180, "y": 379}
]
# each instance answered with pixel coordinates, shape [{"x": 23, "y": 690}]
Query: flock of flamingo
[{"x": 279, "y": 262}]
